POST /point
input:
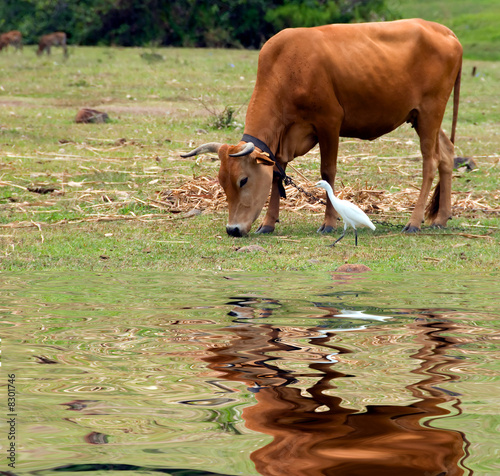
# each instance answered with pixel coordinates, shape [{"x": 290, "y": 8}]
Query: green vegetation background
[
  {"x": 476, "y": 23},
  {"x": 212, "y": 23},
  {"x": 236, "y": 23}
]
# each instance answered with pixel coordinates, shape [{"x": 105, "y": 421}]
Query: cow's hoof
[
  {"x": 411, "y": 229},
  {"x": 325, "y": 229},
  {"x": 265, "y": 229},
  {"x": 437, "y": 226}
]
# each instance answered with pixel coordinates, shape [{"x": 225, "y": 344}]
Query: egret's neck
[{"x": 332, "y": 197}]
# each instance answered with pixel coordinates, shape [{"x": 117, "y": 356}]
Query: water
[{"x": 293, "y": 374}]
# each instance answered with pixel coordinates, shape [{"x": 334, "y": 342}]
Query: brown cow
[
  {"x": 14, "y": 38},
  {"x": 359, "y": 80},
  {"x": 53, "y": 39}
]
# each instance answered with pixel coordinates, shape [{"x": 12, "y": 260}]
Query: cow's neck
[
  {"x": 262, "y": 123},
  {"x": 266, "y": 132}
]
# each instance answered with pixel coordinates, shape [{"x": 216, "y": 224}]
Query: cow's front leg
[
  {"x": 273, "y": 210},
  {"x": 329, "y": 149}
]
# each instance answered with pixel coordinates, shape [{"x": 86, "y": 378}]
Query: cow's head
[{"x": 246, "y": 175}]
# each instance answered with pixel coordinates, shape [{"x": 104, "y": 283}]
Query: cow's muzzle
[{"x": 234, "y": 230}]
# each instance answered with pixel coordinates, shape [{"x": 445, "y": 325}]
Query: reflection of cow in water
[
  {"x": 314, "y": 435},
  {"x": 53, "y": 39}
]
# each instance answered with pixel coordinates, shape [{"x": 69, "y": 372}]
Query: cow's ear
[{"x": 263, "y": 159}]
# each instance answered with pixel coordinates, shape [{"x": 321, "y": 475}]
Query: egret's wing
[{"x": 355, "y": 216}]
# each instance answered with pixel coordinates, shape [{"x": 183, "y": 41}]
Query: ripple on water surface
[{"x": 285, "y": 374}]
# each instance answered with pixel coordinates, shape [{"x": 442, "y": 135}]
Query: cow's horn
[
  {"x": 210, "y": 147},
  {"x": 248, "y": 149}
]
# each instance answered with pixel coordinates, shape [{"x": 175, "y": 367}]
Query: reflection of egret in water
[{"x": 314, "y": 434}]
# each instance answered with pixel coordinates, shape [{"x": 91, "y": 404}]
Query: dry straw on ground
[{"x": 204, "y": 194}]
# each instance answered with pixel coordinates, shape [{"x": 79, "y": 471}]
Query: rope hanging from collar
[{"x": 281, "y": 174}]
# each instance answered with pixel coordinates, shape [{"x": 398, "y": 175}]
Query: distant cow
[
  {"x": 14, "y": 38},
  {"x": 315, "y": 85},
  {"x": 53, "y": 39}
]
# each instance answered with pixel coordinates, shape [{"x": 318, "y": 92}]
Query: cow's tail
[
  {"x": 456, "y": 101},
  {"x": 433, "y": 207}
]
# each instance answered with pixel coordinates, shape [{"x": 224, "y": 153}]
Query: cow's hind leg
[
  {"x": 439, "y": 209},
  {"x": 428, "y": 132}
]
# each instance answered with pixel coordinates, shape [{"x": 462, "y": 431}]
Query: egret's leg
[
  {"x": 338, "y": 239},
  {"x": 341, "y": 236},
  {"x": 355, "y": 237}
]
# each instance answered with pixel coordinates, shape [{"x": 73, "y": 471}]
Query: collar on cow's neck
[
  {"x": 281, "y": 174},
  {"x": 258, "y": 143}
]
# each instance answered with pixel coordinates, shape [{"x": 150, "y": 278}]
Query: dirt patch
[
  {"x": 17, "y": 103},
  {"x": 165, "y": 109},
  {"x": 140, "y": 110}
]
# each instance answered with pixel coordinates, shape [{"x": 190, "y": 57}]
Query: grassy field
[
  {"x": 117, "y": 196},
  {"x": 475, "y": 23}
]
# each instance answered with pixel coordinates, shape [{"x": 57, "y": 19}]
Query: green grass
[
  {"x": 475, "y": 23},
  {"x": 102, "y": 213}
]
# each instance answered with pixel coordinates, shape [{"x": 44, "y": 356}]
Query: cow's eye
[{"x": 243, "y": 181}]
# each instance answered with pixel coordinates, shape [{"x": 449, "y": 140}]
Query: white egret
[{"x": 350, "y": 213}]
